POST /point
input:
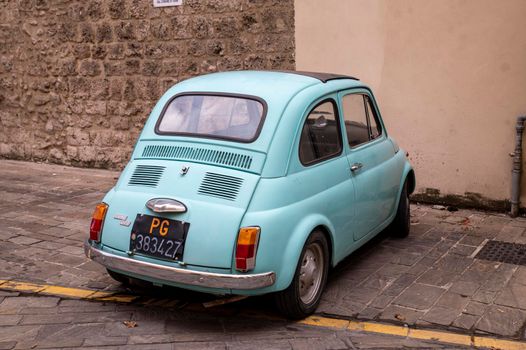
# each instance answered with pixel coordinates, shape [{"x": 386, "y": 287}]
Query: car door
[
  {"x": 324, "y": 169},
  {"x": 368, "y": 151}
]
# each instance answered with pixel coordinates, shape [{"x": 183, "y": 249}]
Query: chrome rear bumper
[{"x": 179, "y": 275}]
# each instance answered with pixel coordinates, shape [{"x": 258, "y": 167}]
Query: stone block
[
  {"x": 419, "y": 296},
  {"x": 502, "y": 320}
]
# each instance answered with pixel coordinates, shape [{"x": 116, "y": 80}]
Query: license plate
[{"x": 159, "y": 237}]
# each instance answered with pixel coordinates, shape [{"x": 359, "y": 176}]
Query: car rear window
[{"x": 225, "y": 117}]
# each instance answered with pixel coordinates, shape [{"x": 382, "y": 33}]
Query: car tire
[
  {"x": 119, "y": 277},
  {"x": 303, "y": 295},
  {"x": 401, "y": 224}
]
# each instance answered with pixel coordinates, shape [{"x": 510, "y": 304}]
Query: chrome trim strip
[
  {"x": 178, "y": 275},
  {"x": 165, "y": 205}
]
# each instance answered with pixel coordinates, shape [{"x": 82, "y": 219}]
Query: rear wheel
[
  {"x": 401, "y": 224},
  {"x": 303, "y": 295}
]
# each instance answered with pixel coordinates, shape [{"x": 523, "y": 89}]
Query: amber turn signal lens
[
  {"x": 97, "y": 219},
  {"x": 246, "y": 249}
]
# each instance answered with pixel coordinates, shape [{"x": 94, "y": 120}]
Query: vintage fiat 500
[{"x": 254, "y": 182}]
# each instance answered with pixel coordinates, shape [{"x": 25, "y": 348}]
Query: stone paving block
[
  {"x": 399, "y": 285},
  {"x": 462, "y": 250},
  {"x": 7, "y": 345},
  {"x": 453, "y": 300},
  {"x": 22, "y": 240},
  {"x": 408, "y": 259},
  {"x": 479, "y": 271},
  {"x": 419, "y": 296},
  {"x": 400, "y": 314},
  {"x": 453, "y": 263},
  {"x": 369, "y": 313},
  {"x": 34, "y": 253},
  {"x": 500, "y": 277},
  {"x": 510, "y": 233},
  {"x": 502, "y": 320},
  {"x": 44, "y": 319},
  {"x": 157, "y": 346},
  {"x": 381, "y": 301},
  {"x": 311, "y": 344},
  {"x": 392, "y": 270},
  {"x": 437, "y": 277},
  {"x": 475, "y": 308},
  {"x": 465, "y": 321},
  {"x": 484, "y": 296},
  {"x": 441, "y": 248},
  {"x": 513, "y": 295},
  {"x": 347, "y": 308},
  {"x": 9, "y": 320},
  {"x": 464, "y": 288},
  {"x": 520, "y": 275},
  {"x": 23, "y": 302},
  {"x": 420, "y": 229},
  {"x": 17, "y": 333},
  {"x": 361, "y": 295},
  {"x": 68, "y": 260},
  {"x": 99, "y": 340},
  {"x": 204, "y": 346},
  {"x": 440, "y": 315},
  {"x": 472, "y": 240},
  {"x": 53, "y": 246},
  {"x": 377, "y": 282}
]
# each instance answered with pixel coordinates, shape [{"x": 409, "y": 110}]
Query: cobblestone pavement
[{"x": 428, "y": 280}]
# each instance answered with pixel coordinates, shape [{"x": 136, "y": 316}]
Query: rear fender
[
  {"x": 295, "y": 245},
  {"x": 409, "y": 175}
]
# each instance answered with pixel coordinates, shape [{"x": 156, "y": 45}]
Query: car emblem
[
  {"x": 122, "y": 219},
  {"x": 184, "y": 170}
]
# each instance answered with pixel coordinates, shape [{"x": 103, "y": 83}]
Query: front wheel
[
  {"x": 303, "y": 295},
  {"x": 402, "y": 222}
]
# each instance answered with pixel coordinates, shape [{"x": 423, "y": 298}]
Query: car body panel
[{"x": 279, "y": 194}]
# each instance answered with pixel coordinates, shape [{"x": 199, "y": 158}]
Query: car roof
[
  {"x": 267, "y": 85},
  {"x": 279, "y": 89},
  {"x": 323, "y": 77}
]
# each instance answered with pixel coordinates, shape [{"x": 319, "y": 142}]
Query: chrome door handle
[{"x": 356, "y": 166}]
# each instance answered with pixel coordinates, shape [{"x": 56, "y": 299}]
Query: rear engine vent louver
[
  {"x": 146, "y": 175},
  {"x": 221, "y": 186},
  {"x": 235, "y": 160}
]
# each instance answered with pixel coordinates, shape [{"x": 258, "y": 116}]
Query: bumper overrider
[{"x": 179, "y": 275}]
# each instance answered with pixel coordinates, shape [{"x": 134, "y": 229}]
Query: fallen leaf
[
  {"x": 400, "y": 317},
  {"x": 465, "y": 222},
  {"x": 130, "y": 324}
]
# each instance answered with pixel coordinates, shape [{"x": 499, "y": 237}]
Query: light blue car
[{"x": 254, "y": 182}]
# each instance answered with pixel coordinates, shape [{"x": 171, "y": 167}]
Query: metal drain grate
[{"x": 511, "y": 253}]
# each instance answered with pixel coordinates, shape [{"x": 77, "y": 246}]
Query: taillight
[
  {"x": 96, "y": 221},
  {"x": 246, "y": 249}
]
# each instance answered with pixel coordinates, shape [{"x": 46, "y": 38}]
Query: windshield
[{"x": 229, "y": 117}]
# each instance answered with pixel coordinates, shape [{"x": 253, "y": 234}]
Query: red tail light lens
[
  {"x": 246, "y": 249},
  {"x": 96, "y": 221}
]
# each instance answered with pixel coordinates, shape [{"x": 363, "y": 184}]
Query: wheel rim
[{"x": 311, "y": 273}]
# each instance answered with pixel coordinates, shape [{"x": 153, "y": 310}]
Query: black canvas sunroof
[{"x": 323, "y": 77}]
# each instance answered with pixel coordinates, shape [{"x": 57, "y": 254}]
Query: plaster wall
[{"x": 449, "y": 75}]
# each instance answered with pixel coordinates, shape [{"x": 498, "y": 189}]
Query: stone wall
[{"x": 79, "y": 78}]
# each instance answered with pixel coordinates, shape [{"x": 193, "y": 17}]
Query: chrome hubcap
[{"x": 311, "y": 272}]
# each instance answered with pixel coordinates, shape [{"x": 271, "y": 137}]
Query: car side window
[
  {"x": 374, "y": 125},
  {"x": 320, "y": 136},
  {"x": 361, "y": 123}
]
